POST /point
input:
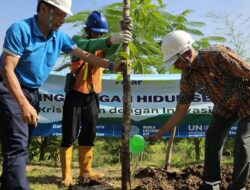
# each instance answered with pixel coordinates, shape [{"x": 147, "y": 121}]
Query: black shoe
[{"x": 205, "y": 186}]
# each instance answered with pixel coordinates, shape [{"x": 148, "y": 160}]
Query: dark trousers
[
  {"x": 14, "y": 136},
  {"x": 215, "y": 139},
  {"x": 79, "y": 110}
]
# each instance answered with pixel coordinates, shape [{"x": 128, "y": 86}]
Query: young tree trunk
[
  {"x": 125, "y": 155},
  {"x": 197, "y": 144},
  {"x": 44, "y": 145},
  {"x": 169, "y": 149}
]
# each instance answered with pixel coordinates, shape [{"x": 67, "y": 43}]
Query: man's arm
[
  {"x": 28, "y": 112},
  {"x": 95, "y": 60},
  {"x": 62, "y": 66},
  {"x": 94, "y": 44}
]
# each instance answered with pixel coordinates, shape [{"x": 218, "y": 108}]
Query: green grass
[{"x": 46, "y": 175}]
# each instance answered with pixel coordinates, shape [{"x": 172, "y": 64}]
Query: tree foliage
[
  {"x": 235, "y": 30},
  {"x": 151, "y": 22}
]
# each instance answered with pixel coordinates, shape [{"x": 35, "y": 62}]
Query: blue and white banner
[{"x": 153, "y": 100}]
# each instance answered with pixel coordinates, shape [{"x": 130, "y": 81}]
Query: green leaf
[
  {"x": 132, "y": 48},
  {"x": 151, "y": 22},
  {"x": 124, "y": 55}
]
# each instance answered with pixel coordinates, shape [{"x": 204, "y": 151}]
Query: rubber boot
[
  {"x": 85, "y": 155},
  {"x": 66, "y": 158}
]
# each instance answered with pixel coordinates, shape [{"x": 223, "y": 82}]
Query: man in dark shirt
[{"x": 223, "y": 76}]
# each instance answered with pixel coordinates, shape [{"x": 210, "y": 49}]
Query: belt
[{"x": 29, "y": 89}]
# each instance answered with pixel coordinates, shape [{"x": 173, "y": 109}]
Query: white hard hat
[
  {"x": 64, "y": 5},
  {"x": 175, "y": 42}
]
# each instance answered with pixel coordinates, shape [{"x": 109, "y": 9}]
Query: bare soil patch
[
  {"x": 154, "y": 178},
  {"x": 187, "y": 179}
]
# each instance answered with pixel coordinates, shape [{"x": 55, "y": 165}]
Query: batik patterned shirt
[{"x": 222, "y": 76}]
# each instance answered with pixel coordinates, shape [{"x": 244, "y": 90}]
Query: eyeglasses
[
  {"x": 60, "y": 14},
  {"x": 182, "y": 58}
]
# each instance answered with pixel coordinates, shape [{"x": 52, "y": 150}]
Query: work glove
[{"x": 124, "y": 36}]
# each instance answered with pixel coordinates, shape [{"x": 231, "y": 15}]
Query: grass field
[{"x": 46, "y": 175}]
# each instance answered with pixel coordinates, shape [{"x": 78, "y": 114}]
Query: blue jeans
[{"x": 14, "y": 136}]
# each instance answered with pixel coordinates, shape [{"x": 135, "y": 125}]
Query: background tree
[
  {"x": 235, "y": 30},
  {"x": 151, "y": 22}
]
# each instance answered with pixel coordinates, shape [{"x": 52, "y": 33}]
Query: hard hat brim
[
  {"x": 68, "y": 12},
  {"x": 170, "y": 61},
  {"x": 100, "y": 30},
  {"x": 62, "y": 8}
]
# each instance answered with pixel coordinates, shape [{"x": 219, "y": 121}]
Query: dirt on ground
[
  {"x": 153, "y": 178},
  {"x": 187, "y": 179}
]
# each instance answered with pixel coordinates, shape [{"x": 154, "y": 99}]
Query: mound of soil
[{"x": 152, "y": 178}]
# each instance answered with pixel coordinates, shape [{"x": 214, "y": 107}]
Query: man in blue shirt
[{"x": 30, "y": 50}]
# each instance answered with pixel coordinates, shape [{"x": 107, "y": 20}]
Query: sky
[{"x": 15, "y": 10}]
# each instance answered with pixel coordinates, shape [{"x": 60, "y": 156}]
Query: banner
[{"x": 153, "y": 100}]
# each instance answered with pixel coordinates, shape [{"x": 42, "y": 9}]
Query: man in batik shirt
[{"x": 220, "y": 74}]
